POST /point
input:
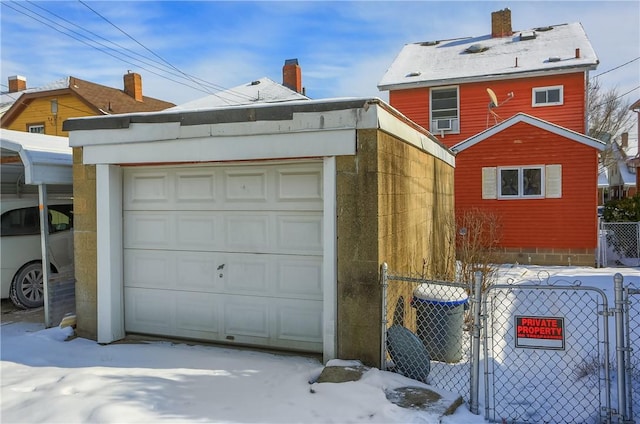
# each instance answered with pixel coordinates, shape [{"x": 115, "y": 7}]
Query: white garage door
[{"x": 225, "y": 253}]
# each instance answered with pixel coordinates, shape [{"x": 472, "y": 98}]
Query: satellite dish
[{"x": 493, "y": 97}]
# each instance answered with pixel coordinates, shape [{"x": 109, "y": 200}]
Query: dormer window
[
  {"x": 445, "y": 110},
  {"x": 547, "y": 96}
]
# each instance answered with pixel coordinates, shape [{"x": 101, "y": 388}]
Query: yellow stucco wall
[
  {"x": 38, "y": 112},
  {"x": 394, "y": 205},
  {"x": 84, "y": 238}
]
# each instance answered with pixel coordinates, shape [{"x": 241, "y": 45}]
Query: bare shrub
[{"x": 478, "y": 234}]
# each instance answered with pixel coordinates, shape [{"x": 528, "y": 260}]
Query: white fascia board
[
  {"x": 484, "y": 78},
  {"x": 391, "y": 124},
  {"x": 521, "y": 117},
  {"x": 136, "y": 133},
  {"x": 225, "y": 148}
]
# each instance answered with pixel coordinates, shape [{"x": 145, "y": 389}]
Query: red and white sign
[{"x": 539, "y": 332}]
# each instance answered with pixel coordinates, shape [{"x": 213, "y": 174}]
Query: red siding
[
  {"x": 568, "y": 222},
  {"x": 474, "y": 101}
]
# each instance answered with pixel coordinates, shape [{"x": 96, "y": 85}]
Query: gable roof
[
  {"x": 545, "y": 51},
  {"x": 101, "y": 99},
  {"x": 533, "y": 121},
  {"x": 263, "y": 90}
]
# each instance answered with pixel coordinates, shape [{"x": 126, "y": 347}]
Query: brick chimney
[
  {"x": 624, "y": 141},
  {"x": 501, "y": 23},
  {"x": 292, "y": 75},
  {"x": 133, "y": 85},
  {"x": 17, "y": 83}
]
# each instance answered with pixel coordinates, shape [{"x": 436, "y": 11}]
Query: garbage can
[{"x": 440, "y": 320}]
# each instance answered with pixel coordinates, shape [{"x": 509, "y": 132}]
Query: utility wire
[
  {"x": 616, "y": 98},
  {"x": 150, "y": 51},
  {"x": 617, "y": 67},
  {"x": 51, "y": 24}
]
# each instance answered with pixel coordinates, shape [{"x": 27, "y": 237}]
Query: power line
[
  {"x": 616, "y": 98},
  {"x": 55, "y": 26},
  {"x": 617, "y": 67}
]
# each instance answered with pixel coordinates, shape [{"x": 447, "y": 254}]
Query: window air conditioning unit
[{"x": 443, "y": 124}]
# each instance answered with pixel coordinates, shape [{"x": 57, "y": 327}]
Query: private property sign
[{"x": 539, "y": 332}]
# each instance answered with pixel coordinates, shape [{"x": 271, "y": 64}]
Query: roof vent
[
  {"x": 527, "y": 35},
  {"x": 543, "y": 29},
  {"x": 554, "y": 59},
  {"x": 430, "y": 43},
  {"x": 414, "y": 74},
  {"x": 255, "y": 82},
  {"x": 476, "y": 48}
]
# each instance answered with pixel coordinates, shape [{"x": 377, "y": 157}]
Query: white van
[{"x": 20, "y": 248}]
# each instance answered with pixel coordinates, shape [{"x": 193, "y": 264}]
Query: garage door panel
[
  {"x": 247, "y": 274},
  {"x": 149, "y": 269},
  {"x": 301, "y": 234},
  {"x": 246, "y": 232},
  {"x": 246, "y": 316},
  {"x": 197, "y": 312},
  {"x": 299, "y": 320},
  {"x": 196, "y": 186},
  {"x": 244, "y": 185},
  {"x": 149, "y": 311},
  {"x": 299, "y": 184},
  {"x": 147, "y": 187},
  {"x": 299, "y": 278},
  {"x": 197, "y": 272},
  {"x": 148, "y": 229},
  {"x": 197, "y": 231}
]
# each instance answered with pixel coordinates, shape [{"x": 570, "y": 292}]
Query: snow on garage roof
[
  {"x": 47, "y": 159},
  {"x": 263, "y": 90},
  {"x": 558, "y": 48}
]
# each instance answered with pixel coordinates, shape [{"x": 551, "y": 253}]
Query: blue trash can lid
[{"x": 440, "y": 295}]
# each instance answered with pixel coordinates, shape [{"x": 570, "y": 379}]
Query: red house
[{"x": 512, "y": 105}]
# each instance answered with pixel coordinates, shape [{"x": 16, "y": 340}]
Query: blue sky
[{"x": 343, "y": 47}]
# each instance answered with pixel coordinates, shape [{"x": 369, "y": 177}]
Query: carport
[{"x": 42, "y": 163}]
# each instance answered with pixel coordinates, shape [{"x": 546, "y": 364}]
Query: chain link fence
[
  {"x": 428, "y": 331},
  {"x": 632, "y": 355},
  {"x": 545, "y": 359},
  {"x": 619, "y": 244}
]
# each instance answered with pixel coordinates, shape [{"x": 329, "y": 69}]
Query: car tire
[{"x": 27, "y": 290}]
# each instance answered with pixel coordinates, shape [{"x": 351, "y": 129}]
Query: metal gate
[
  {"x": 619, "y": 244},
  {"x": 546, "y": 354},
  {"x": 628, "y": 357}
]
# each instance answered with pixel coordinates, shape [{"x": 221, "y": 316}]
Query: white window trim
[
  {"x": 551, "y": 182},
  {"x": 456, "y": 129},
  {"x": 520, "y": 170},
  {"x": 35, "y": 126},
  {"x": 545, "y": 89}
]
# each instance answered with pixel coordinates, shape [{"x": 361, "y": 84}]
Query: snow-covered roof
[
  {"x": 8, "y": 98},
  {"x": 536, "y": 122},
  {"x": 47, "y": 159},
  {"x": 263, "y": 90},
  {"x": 538, "y": 50},
  {"x": 603, "y": 178}
]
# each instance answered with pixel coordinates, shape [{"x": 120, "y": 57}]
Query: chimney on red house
[
  {"x": 133, "y": 85},
  {"x": 292, "y": 75},
  {"x": 17, "y": 83},
  {"x": 501, "y": 23}
]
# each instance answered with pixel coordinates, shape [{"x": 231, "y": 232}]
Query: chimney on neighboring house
[
  {"x": 624, "y": 140},
  {"x": 17, "y": 83},
  {"x": 501, "y": 23},
  {"x": 292, "y": 75},
  {"x": 133, "y": 85}
]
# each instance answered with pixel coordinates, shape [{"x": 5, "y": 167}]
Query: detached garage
[{"x": 262, "y": 226}]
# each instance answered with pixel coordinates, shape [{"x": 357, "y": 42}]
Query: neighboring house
[
  {"x": 44, "y": 109},
  {"x": 261, "y": 225},
  {"x": 507, "y": 89},
  {"x": 635, "y": 107},
  {"x": 621, "y": 168}
]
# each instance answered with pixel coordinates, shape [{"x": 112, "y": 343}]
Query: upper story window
[
  {"x": 547, "y": 96},
  {"x": 38, "y": 129},
  {"x": 445, "y": 107}
]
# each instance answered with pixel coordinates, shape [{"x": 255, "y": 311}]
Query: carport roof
[{"x": 47, "y": 159}]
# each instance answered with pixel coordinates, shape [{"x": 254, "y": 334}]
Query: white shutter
[
  {"x": 553, "y": 181},
  {"x": 489, "y": 186}
]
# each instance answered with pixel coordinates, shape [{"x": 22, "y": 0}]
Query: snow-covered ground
[{"x": 45, "y": 378}]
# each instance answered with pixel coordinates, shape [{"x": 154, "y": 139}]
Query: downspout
[{"x": 44, "y": 244}]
